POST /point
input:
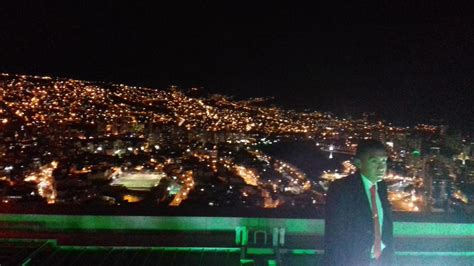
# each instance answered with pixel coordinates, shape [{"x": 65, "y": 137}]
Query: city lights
[{"x": 80, "y": 141}]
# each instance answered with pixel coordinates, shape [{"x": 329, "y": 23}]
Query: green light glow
[
  {"x": 156, "y": 249},
  {"x": 246, "y": 262},
  {"x": 416, "y": 153},
  {"x": 89, "y": 222},
  {"x": 29, "y": 222},
  {"x": 436, "y": 254},
  {"x": 306, "y": 252},
  {"x": 250, "y": 251},
  {"x": 272, "y": 263},
  {"x": 408, "y": 229},
  {"x": 260, "y": 251}
]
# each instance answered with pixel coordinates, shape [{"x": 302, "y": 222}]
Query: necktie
[{"x": 375, "y": 215}]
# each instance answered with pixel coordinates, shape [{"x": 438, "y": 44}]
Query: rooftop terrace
[{"x": 106, "y": 238}]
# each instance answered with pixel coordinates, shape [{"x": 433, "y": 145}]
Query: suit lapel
[{"x": 361, "y": 199}]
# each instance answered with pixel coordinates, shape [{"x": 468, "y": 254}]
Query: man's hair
[{"x": 366, "y": 145}]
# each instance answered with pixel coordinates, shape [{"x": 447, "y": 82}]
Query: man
[{"x": 352, "y": 217}]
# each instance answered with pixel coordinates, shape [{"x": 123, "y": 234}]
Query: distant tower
[
  {"x": 331, "y": 148},
  {"x": 428, "y": 182}
]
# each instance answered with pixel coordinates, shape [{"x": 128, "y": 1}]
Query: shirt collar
[{"x": 367, "y": 183}]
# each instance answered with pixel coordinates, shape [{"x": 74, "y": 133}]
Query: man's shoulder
[
  {"x": 345, "y": 183},
  {"x": 348, "y": 180},
  {"x": 341, "y": 192}
]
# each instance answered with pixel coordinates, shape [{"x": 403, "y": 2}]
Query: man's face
[{"x": 373, "y": 164}]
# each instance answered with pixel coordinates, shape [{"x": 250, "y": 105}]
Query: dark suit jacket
[{"x": 349, "y": 229}]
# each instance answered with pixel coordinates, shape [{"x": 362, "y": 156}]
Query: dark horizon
[{"x": 409, "y": 63}]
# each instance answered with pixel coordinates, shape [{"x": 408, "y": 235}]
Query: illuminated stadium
[{"x": 137, "y": 181}]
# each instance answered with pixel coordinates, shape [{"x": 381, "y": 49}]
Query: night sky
[{"x": 408, "y": 63}]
